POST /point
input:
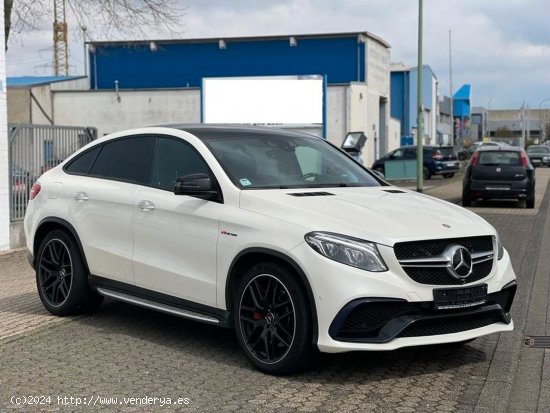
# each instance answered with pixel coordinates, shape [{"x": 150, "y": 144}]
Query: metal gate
[{"x": 33, "y": 149}]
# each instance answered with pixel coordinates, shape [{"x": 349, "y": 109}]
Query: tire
[
  {"x": 273, "y": 320},
  {"x": 427, "y": 174},
  {"x": 530, "y": 202},
  {"x": 449, "y": 175},
  {"x": 61, "y": 276},
  {"x": 466, "y": 200}
]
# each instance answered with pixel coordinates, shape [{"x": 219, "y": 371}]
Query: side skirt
[{"x": 160, "y": 302}]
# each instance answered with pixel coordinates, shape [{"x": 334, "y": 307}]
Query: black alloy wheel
[
  {"x": 62, "y": 277},
  {"x": 273, "y": 319},
  {"x": 55, "y": 272},
  {"x": 267, "y": 318}
]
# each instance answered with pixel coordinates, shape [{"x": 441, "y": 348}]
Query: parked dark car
[
  {"x": 21, "y": 182},
  {"x": 499, "y": 173},
  {"x": 539, "y": 155},
  {"x": 438, "y": 160}
]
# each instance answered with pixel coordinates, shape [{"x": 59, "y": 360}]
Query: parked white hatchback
[{"x": 278, "y": 234}]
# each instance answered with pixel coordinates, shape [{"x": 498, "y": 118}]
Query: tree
[{"x": 103, "y": 19}]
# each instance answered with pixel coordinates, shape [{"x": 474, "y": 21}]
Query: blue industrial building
[
  {"x": 403, "y": 98},
  {"x": 183, "y": 63}
]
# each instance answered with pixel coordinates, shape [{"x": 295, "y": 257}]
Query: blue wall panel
[{"x": 185, "y": 64}]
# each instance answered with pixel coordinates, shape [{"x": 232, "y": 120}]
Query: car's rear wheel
[
  {"x": 448, "y": 175},
  {"x": 61, "y": 276},
  {"x": 466, "y": 199},
  {"x": 272, "y": 319}
]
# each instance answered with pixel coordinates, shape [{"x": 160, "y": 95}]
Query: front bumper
[
  {"x": 335, "y": 285},
  {"x": 382, "y": 320},
  {"x": 540, "y": 161}
]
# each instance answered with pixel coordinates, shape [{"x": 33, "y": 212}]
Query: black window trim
[{"x": 150, "y": 185}]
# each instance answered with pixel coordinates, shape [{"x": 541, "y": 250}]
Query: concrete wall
[
  {"x": 130, "y": 109},
  {"x": 19, "y": 102},
  {"x": 394, "y": 135},
  {"x": 41, "y": 105},
  {"x": 378, "y": 95},
  {"x": 4, "y": 185},
  {"x": 350, "y": 107},
  {"x": 337, "y": 121}
]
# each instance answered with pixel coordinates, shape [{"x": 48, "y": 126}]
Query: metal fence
[{"x": 33, "y": 149}]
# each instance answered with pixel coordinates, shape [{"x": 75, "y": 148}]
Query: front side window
[
  {"x": 127, "y": 159},
  {"x": 174, "y": 159},
  {"x": 271, "y": 161}
]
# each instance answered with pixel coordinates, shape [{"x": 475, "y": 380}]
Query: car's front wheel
[
  {"x": 61, "y": 276},
  {"x": 272, "y": 319},
  {"x": 427, "y": 173}
]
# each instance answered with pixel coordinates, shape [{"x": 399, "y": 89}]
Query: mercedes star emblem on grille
[{"x": 460, "y": 262}]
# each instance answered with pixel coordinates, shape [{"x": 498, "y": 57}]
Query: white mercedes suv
[{"x": 277, "y": 234}]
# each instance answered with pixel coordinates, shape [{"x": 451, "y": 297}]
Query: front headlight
[
  {"x": 347, "y": 250},
  {"x": 500, "y": 248},
  {"x": 546, "y": 158}
]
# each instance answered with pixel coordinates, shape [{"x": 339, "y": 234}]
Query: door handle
[
  {"x": 81, "y": 196},
  {"x": 146, "y": 205}
]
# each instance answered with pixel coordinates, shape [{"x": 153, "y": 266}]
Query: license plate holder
[
  {"x": 458, "y": 298},
  {"x": 497, "y": 187}
]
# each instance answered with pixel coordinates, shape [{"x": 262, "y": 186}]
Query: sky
[{"x": 500, "y": 47}]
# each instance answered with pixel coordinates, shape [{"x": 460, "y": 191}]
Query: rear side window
[
  {"x": 126, "y": 159},
  {"x": 174, "y": 159},
  {"x": 499, "y": 158},
  {"x": 82, "y": 163}
]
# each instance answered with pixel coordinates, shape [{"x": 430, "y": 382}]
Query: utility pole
[
  {"x": 60, "y": 47},
  {"x": 419, "y": 129},
  {"x": 451, "y": 91},
  {"x": 85, "y": 55}
]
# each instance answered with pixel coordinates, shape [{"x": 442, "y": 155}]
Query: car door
[
  {"x": 102, "y": 197},
  {"x": 175, "y": 236}
]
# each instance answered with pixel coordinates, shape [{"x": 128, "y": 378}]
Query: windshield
[
  {"x": 543, "y": 149},
  {"x": 271, "y": 161}
]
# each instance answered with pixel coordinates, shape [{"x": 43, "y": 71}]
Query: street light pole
[{"x": 419, "y": 129}]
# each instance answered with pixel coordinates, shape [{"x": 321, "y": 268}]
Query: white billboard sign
[{"x": 283, "y": 100}]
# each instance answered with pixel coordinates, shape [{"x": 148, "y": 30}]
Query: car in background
[
  {"x": 438, "y": 160},
  {"x": 21, "y": 182},
  {"x": 499, "y": 172},
  {"x": 539, "y": 155}
]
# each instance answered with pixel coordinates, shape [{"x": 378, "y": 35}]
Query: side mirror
[{"x": 197, "y": 185}]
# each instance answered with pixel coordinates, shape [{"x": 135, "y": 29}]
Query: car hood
[
  {"x": 370, "y": 213},
  {"x": 537, "y": 153}
]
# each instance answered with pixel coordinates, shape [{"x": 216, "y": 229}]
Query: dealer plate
[{"x": 454, "y": 298}]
